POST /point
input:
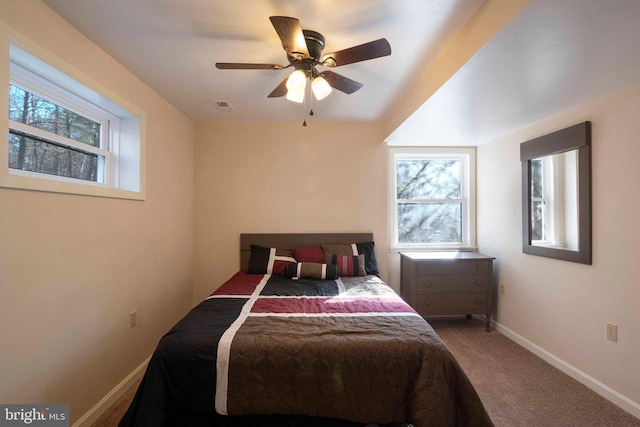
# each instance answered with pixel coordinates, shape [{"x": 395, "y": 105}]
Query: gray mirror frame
[{"x": 576, "y": 137}]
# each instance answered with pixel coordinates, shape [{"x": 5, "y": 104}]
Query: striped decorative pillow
[
  {"x": 312, "y": 270},
  {"x": 362, "y": 248},
  {"x": 269, "y": 260},
  {"x": 349, "y": 265}
]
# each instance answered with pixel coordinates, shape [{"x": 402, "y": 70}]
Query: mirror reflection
[{"x": 554, "y": 201}]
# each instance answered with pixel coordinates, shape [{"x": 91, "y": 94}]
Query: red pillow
[{"x": 309, "y": 254}]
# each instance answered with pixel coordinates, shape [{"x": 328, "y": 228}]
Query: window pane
[
  {"x": 537, "y": 220},
  {"x": 429, "y": 222},
  {"x": 33, "y": 110},
  {"x": 428, "y": 179},
  {"x": 35, "y": 155},
  {"x": 536, "y": 178}
]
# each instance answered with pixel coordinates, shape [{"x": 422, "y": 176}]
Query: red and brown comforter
[{"x": 349, "y": 349}]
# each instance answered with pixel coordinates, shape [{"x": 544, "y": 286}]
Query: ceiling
[
  {"x": 553, "y": 55},
  {"x": 172, "y": 45}
]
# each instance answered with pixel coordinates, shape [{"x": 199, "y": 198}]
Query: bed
[{"x": 305, "y": 334}]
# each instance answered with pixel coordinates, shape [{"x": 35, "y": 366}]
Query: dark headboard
[{"x": 292, "y": 241}]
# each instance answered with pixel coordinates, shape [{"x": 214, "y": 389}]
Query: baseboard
[
  {"x": 105, "y": 403},
  {"x": 607, "y": 392}
]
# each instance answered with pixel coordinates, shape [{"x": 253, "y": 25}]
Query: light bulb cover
[
  {"x": 320, "y": 87},
  {"x": 296, "y": 95},
  {"x": 297, "y": 80}
]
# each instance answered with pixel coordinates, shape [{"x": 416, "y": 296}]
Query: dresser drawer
[
  {"x": 446, "y": 267},
  {"x": 451, "y": 284},
  {"x": 439, "y": 304}
]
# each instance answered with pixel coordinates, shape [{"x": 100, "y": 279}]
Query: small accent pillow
[
  {"x": 365, "y": 248},
  {"x": 312, "y": 270},
  {"x": 348, "y": 265},
  {"x": 309, "y": 254},
  {"x": 269, "y": 260}
]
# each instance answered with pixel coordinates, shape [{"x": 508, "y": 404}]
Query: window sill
[
  {"x": 397, "y": 250},
  {"x": 21, "y": 181}
]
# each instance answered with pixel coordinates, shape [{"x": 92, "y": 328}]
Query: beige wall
[
  {"x": 73, "y": 267},
  {"x": 562, "y": 307},
  {"x": 264, "y": 177}
]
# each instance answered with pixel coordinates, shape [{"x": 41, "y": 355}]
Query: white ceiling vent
[{"x": 223, "y": 106}]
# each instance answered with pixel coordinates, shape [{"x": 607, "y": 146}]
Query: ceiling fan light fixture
[
  {"x": 320, "y": 87},
  {"x": 296, "y": 95}
]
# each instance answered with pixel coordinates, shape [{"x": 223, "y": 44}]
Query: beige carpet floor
[{"x": 517, "y": 388}]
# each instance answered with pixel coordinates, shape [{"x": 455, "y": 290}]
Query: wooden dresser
[{"x": 444, "y": 283}]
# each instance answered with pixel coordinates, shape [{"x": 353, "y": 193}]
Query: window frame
[
  {"x": 467, "y": 155},
  {"x": 123, "y": 139}
]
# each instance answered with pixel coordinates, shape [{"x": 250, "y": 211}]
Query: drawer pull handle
[
  {"x": 478, "y": 283},
  {"x": 427, "y": 302},
  {"x": 478, "y": 301},
  {"x": 427, "y": 284},
  {"x": 478, "y": 266}
]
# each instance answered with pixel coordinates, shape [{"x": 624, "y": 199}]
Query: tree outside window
[{"x": 32, "y": 153}]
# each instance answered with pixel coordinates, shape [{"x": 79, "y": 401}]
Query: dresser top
[{"x": 444, "y": 255}]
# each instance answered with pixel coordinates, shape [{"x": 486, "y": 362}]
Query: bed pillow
[
  {"x": 365, "y": 248},
  {"x": 312, "y": 270},
  {"x": 309, "y": 254},
  {"x": 348, "y": 265},
  {"x": 269, "y": 260}
]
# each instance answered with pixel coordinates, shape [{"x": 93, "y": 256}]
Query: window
[
  {"x": 63, "y": 136},
  {"x": 433, "y": 198}
]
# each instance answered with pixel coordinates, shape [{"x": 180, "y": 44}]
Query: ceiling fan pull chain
[{"x": 304, "y": 105}]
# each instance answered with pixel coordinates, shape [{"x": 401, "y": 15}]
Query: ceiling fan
[{"x": 304, "y": 52}]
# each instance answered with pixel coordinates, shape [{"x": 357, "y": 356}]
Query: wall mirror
[{"x": 556, "y": 194}]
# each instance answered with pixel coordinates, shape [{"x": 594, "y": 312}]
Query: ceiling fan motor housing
[{"x": 315, "y": 43}]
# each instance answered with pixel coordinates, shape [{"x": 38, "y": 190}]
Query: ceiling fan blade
[
  {"x": 291, "y": 35},
  {"x": 280, "y": 90},
  {"x": 244, "y": 66},
  {"x": 363, "y": 52},
  {"x": 341, "y": 83}
]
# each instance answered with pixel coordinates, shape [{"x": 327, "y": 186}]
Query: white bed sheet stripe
[{"x": 224, "y": 349}]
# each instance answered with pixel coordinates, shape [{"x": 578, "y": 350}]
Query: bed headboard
[{"x": 295, "y": 240}]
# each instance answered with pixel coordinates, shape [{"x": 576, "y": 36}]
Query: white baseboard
[
  {"x": 94, "y": 413},
  {"x": 607, "y": 392}
]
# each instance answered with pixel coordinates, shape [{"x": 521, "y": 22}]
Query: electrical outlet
[
  {"x": 132, "y": 319},
  {"x": 612, "y": 332},
  {"x": 503, "y": 289}
]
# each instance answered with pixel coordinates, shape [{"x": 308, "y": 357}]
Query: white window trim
[
  {"x": 468, "y": 188},
  {"x": 126, "y": 182}
]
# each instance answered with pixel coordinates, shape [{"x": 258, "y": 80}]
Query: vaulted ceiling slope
[{"x": 551, "y": 56}]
